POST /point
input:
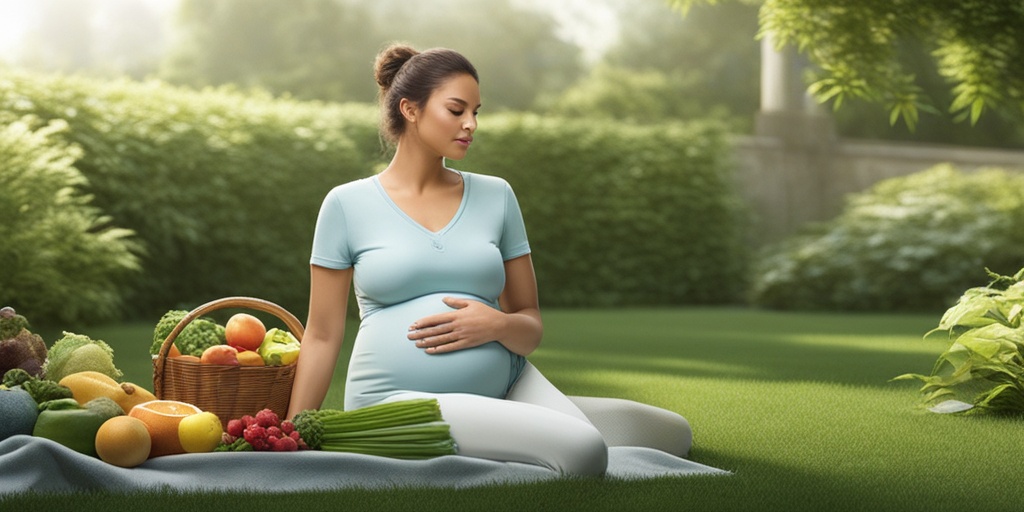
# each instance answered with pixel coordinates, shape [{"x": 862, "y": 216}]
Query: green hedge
[
  {"x": 61, "y": 259},
  {"x": 912, "y": 243},
  {"x": 621, "y": 215},
  {"x": 223, "y": 187}
]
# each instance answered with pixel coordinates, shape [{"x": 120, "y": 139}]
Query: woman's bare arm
[{"x": 324, "y": 334}]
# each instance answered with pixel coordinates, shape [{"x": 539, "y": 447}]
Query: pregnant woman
[{"x": 441, "y": 267}]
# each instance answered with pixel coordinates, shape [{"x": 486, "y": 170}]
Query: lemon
[{"x": 200, "y": 432}]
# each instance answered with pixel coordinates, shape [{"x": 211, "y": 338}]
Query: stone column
[{"x": 793, "y": 147}]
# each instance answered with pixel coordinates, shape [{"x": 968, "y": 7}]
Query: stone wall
[{"x": 806, "y": 175}]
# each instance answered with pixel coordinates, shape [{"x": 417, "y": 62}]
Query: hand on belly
[{"x": 469, "y": 323}]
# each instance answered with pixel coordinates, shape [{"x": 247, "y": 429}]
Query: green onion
[{"x": 407, "y": 429}]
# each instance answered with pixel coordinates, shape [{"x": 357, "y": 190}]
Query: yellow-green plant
[{"x": 983, "y": 368}]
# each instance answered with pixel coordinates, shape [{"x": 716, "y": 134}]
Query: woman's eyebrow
[{"x": 461, "y": 101}]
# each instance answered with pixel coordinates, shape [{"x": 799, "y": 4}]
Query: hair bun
[{"x": 389, "y": 61}]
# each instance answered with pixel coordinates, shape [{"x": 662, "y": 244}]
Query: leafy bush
[
  {"x": 983, "y": 368},
  {"x": 62, "y": 260},
  {"x": 908, "y": 243},
  {"x": 621, "y": 215},
  {"x": 223, "y": 188}
]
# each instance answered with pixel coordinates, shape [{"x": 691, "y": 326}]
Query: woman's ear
[{"x": 408, "y": 109}]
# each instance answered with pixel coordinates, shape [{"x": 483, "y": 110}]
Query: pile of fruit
[
  {"x": 73, "y": 394},
  {"x": 243, "y": 341}
]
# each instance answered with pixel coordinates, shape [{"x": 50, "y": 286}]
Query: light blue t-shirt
[{"x": 402, "y": 271}]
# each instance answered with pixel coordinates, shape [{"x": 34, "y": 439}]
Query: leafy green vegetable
[
  {"x": 406, "y": 429},
  {"x": 199, "y": 335},
  {"x": 983, "y": 368},
  {"x": 75, "y": 353}
]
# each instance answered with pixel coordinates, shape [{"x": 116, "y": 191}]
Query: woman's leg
[
  {"x": 621, "y": 422},
  {"x": 629, "y": 423},
  {"x": 506, "y": 430}
]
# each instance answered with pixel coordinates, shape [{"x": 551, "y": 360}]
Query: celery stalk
[{"x": 409, "y": 429}]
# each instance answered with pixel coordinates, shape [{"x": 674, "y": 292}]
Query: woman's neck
[{"x": 416, "y": 169}]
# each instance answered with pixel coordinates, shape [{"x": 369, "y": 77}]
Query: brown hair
[{"x": 403, "y": 72}]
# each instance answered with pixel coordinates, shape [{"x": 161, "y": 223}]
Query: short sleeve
[
  {"x": 330, "y": 241},
  {"x": 514, "y": 242}
]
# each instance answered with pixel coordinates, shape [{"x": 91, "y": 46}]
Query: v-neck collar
[{"x": 421, "y": 227}]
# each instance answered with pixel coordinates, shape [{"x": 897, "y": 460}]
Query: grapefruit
[
  {"x": 123, "y": 441},
  {"x": 162, "y": 418}
]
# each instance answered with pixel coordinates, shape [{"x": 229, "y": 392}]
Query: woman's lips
[{"x": 465, "y": 142}]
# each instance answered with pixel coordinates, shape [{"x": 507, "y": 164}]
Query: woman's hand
[{"x": 472, "y": 324}]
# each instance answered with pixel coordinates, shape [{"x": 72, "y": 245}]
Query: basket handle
[{"x": 293, "y": 324}]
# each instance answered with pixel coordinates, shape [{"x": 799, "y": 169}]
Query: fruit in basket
[
  {"x": 200, "y": 433},
  {"x": 279, "y": 348},
  {"x": 123, "y": 441},
  {"x": 244, "y": 331},
  {"x": 250, "y": 358},
  {"x": 220, "y": 354},
  {"x": 162, "y": 418},
  {"x": 89, "y": 384}
]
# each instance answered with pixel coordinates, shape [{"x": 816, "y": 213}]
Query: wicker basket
[{"x": 226, "y": 390}]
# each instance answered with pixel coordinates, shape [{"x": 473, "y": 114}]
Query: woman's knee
[
  {"x": 585, "y": 452},
  {"x": 629, "y": 423}
]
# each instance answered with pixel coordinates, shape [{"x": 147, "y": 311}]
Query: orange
[
  {"x": 162, "y": 418},
  {"x": 123, "y": 441},
  {"x": 200, "y": 433},
  {"x": 250, "y": 358}
]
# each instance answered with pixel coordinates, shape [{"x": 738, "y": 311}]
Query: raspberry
[
  {"x": 255, "y": 433},
  {"x": 287, "y": 427},
  {"x": 247, "y": 420},
  {"x": 286, "y": 444},
  {"x": 266, "y": 418},
  {"x": 275, "y": 432},
  {"x": 236, "y": 427}
]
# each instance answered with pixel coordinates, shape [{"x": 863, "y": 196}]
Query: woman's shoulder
[
  {"x": 486, "y": 182},
  {"x": 352, "y": 188}
]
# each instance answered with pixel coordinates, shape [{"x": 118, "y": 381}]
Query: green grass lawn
[{"x": 798, "y": 406}]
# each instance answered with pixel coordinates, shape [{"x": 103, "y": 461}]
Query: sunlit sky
[{"x": 590, "y": 24}]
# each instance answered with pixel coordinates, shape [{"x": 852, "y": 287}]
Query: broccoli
[
  {"x": 44, "y": 390},
  {"x": 19, "y": 348},
  {"x": 77, "y": 353},
  {"x": 15, "y": 377},
  {"x": 11, "y": 323},
  {"x": 40, "y": 390},
  {"x": 199, "y": 335}
]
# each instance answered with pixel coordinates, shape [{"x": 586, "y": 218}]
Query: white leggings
[{"x": 537, "y": 424}]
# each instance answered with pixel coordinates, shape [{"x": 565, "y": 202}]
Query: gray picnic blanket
[{"x": 37, "y": 464}]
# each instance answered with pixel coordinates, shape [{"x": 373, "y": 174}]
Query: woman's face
[{"x": 446, "y": 123}]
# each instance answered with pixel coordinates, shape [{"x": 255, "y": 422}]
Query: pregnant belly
[{"x": 384, "y": 361}]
